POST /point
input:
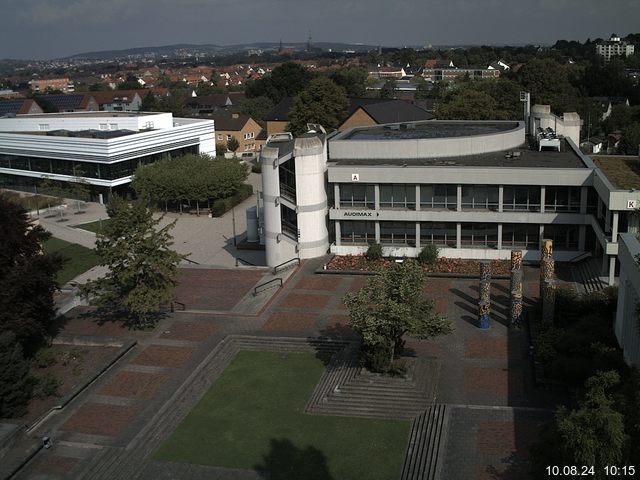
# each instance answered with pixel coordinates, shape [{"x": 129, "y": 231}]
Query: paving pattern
[{"x": 470, "y": 394}]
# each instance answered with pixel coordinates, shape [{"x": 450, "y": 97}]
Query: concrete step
[{"x": 425, "y": 444}]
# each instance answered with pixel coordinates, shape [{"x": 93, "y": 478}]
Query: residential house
[
  {"x": 361, "y": 112},
  {"x": 242, "y": 127},
  {"x": 19, "y": 106},
  {"x": 74, "y": 102},
  {"x": 42, "y": 85},
  {"x": 118, "y": 100},
  {"x": 614, "y": 47}
]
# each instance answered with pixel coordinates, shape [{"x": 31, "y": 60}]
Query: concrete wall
[
  {"x": 627, "y": 324},
  {"x": 568, "y": 125},
  {"x": 342, "y": 147},
  {"x": 75, "y": 121}
]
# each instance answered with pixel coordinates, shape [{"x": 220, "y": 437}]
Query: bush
[
  {"x": 222, "y": 205},
  {"x": 47, "y": 386},
  {"x": 428, "y": 256},
  {"x": 374, "y": 252},
  {"x": 256, "y": 168},
  {"x": 45, "y": 358}
]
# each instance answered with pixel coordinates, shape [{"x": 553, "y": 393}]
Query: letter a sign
[{"x": 355, "y": 177}]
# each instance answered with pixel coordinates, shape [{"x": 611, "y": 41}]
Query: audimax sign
[{"x": 359, "y": 214}]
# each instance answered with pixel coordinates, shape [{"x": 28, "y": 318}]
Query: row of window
[
  {"x": 474, "y": 197},
  {"x": 103, "y": 171},
  {"x": 476, "y": 235}
]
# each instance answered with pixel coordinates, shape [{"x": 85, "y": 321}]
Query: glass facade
[
  {"x": 562, "y": 199},
  {"x": 480, "y": 197},
  {"x": 287, "y": 174},
  {"x": 352, "y": 195},
  {"x": 521, "y": 198},
  {"x": 104, "y": 171},
  {"x": 565, "y": 237},
  {"x": 439, "y": 197},
  {"x": 398, "y": 233},
  {"x": 440, "y": 234},
  {"x": 517, "y": 235},
  {"x": 479, "y": 235},
  {"x": 357, "y": 233},
  {"x": 289, "y": 222},
  {"x": 398, "y": 196}
]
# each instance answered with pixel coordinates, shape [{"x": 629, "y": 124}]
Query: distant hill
[{"x": 181, "y": 50}]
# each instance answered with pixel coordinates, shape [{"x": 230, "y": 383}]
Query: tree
[
  {"x": 390, "y": 305},
  {"x": 286, "y": 80},
  {"x": 321, "y": 102},
  {"x": 15, "y": 383},
  {"x": 630, "y": 142},
  {"x": 257, "y": 108},
  {"x": 388, "y": 90},
  {"x": 233, "y": 145},
  {"x": 468, "y": 104},
  {"x": 593, "y": 433},
  {"x": 149, "y": 103},
  {"x": 27, "y": 278},
  {"x": 353, "y": 79},
  {"x": 142, "y": 265}
]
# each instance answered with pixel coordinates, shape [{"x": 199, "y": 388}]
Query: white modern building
[
  {"x": 476, "y": 189},
  {"x": 294, "y": 196},
  {"x": 614, "y": 47},
  {"x": 103, "y": 148},
  {"x": 627, "y": 326}
]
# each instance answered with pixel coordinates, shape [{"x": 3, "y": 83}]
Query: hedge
[{"x": 222, "y": 205}]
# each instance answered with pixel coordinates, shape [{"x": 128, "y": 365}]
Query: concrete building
[
  {"x": 476, "y": 189},
  {"x": 294, "y": 196},
  {"x": 614, "y": 47},
  {"x": 103, "y": 148},
  {"x": 626, "y": 325},
  {"x": 63, "y": 84}
]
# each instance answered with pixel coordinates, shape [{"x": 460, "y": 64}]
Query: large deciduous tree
[
  {"x": 27, "y": 277},
  {"x": 321, "y": 102},
  {"x": 142, "y": 266},
  {"x": 389, "y": 306},
  {"x": 189, "y": 178},
  {"x": 15, "y": 383}
]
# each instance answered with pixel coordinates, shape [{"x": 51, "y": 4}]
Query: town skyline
[{"x": 40, "y": 29}]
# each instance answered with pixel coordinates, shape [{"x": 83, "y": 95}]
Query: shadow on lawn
[{"x": 285, "y": 461}]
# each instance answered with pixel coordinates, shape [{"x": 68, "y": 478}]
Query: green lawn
[
  {"x": 253, "y": 418},
  {"x": 92, "y": 226},
  {"x": 80, "y": 259}
]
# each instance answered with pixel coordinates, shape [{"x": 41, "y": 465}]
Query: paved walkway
[{"x": 485, "y": 378}]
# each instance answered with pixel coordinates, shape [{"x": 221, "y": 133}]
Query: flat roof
[
  {"x": 622, "y": 171},
  {"x": 523, "y": 158},
  {"x": 82, "y": 133},
  {"x": 428, "y": 129},
  {"x": 88, "y": 114}
]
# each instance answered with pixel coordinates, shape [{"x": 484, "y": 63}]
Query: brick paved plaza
[{"x": 483, "y": 376}]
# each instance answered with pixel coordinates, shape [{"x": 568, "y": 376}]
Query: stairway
[{"x": 425, "y": 444}]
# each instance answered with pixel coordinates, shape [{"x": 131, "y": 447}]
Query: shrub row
[{"x": 222, "y": 205}]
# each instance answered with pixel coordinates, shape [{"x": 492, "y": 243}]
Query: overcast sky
[{"x": 43, "y": 29}]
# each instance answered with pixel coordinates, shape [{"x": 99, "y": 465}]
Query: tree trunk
[{"x": 198, "y": 208}]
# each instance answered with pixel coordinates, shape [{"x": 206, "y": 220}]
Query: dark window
[
  {"x": 439, "y": 196},
  {"x": 479, "y": 197},
  {"x": 398, "y": 196},
  {"x": 441, "y": 234},
  {"x": 360, "y": 233},
  {"x": 562, "y": 199},
  {"x": 524, "y": 236},
  {"x": 522, "y": 198},
  {"x": 287, "y": 174},
  {"x": 565, "y": 237},
  {"x": 398, "y": 233},
  {"x": 352, "y": 195},
  {"x": 289, "y": 220},
  {"x": 479, "y": 235}
]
